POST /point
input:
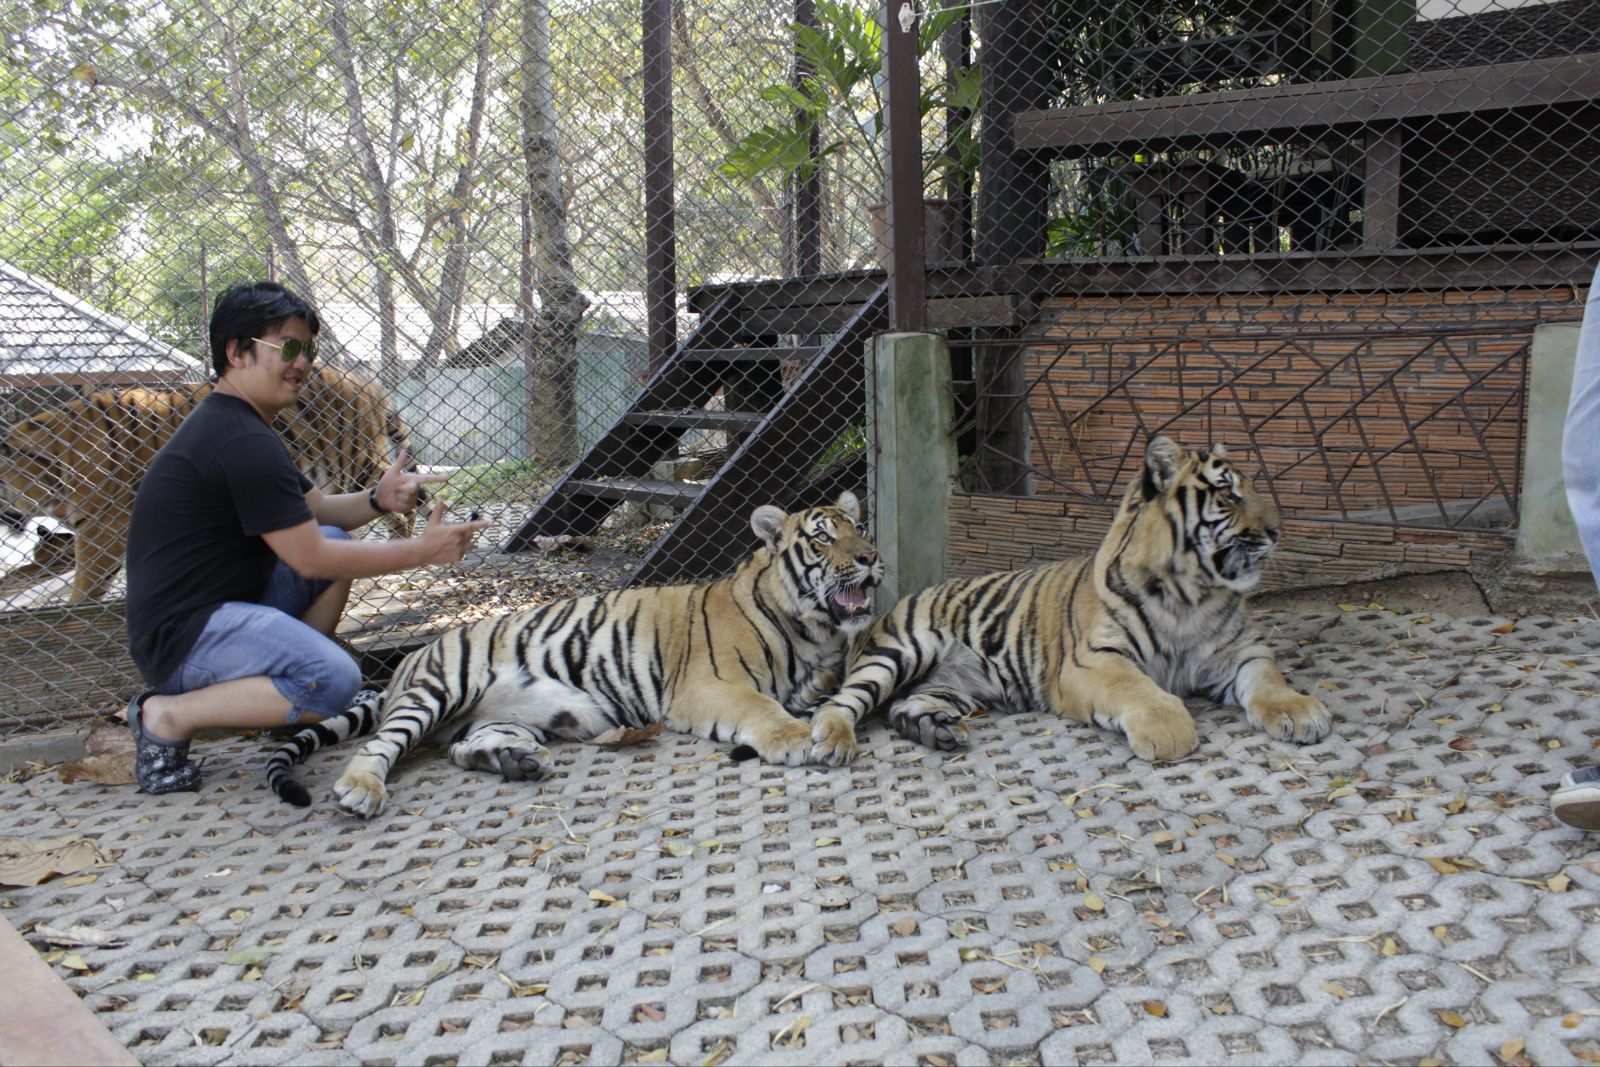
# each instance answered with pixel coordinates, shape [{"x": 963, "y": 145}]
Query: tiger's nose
[{"x": 867, "y": 557}]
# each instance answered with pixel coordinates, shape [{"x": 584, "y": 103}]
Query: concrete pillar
[
  {"x": 910, "y": 408},
  {"x": 1544, "y": 522}
]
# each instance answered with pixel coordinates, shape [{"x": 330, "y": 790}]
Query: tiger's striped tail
[{"x": 357, "y": 720}]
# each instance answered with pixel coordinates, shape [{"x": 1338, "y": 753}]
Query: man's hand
[
  {"x": 447, "y": 542},
  {"x": 400, "y": 489}
]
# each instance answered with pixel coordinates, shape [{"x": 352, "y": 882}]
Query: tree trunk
[{"x": 553, "y": 388}]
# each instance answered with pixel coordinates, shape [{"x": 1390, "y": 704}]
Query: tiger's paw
[
  {"x": 1290, "y": 716},
  {"x": 360, "y": 793},
  {"x": 1163, "y": 731},
  {"x": 514, "y": 761},
  {"x": 786, "y": 742},
  {"x": 931, "y": 723},
  {"x": 833, "y": 738}
]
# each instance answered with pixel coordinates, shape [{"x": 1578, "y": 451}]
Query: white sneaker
[{"x": 1576, "y": 800}]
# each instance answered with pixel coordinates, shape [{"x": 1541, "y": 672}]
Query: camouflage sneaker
[
  {"x": 160, "y": 766},
  {"x": 1576, "y": 800}
]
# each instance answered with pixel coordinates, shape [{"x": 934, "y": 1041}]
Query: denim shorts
[{"x": 242, "y": 640}]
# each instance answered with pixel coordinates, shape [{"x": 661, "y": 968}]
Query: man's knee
[{"x": 327, "y": 684}]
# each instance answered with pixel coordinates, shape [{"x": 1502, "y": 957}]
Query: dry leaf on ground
[
  {"x": 28, "y": 861},
  {"x": 108, "y": 768},
  {"x": 78, "y": 936},
  {"x": 623, "y": 736}
]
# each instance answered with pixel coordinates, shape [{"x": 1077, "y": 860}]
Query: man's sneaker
[
  {"x": 160, "y": 766},
  {"x": 1576, "y": 800}
]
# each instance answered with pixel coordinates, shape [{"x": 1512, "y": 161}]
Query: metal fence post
[{"x": 909, "y": 411}]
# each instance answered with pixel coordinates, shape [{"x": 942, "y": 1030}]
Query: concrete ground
[{"x": 1398, "y": 892}]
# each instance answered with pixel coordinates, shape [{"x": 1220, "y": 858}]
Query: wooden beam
[
  {"x": 660, "y": 196},
  {"x": 1262, "y": 116},
  {"x": 1380, "y": 193},
  {"x": 1290, "y": 272},
  {"x": 902, "y": 120},
  {"x": 44, "y": 1022}
]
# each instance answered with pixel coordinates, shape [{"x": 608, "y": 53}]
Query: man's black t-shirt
[{"x": 224, "y": 479}]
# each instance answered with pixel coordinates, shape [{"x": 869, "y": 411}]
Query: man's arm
[
  {"x": 398, "y": 490},
  {"x": 348, "y": 511},
  {"x": 310, "y": 555}
]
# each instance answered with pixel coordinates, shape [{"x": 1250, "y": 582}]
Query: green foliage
[{"x": 843, "y": 93}]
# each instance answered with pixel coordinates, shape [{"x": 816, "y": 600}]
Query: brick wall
[{"x": 1388, "y": 426}]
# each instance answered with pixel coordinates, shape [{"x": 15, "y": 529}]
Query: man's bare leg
[
  {"x": 325, "y": 612},
  {"x": 242, "y": 704}
]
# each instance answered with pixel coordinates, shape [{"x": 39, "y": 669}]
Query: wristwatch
[{"x": 372, "y": 501}]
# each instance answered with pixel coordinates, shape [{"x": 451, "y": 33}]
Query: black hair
[{"x": 251, "y": 309}]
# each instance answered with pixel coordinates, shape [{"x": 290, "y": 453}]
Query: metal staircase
[{"x": 778, "y": 425}]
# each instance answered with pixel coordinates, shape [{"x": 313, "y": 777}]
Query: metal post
[
  {"x": 808, "y": 190},
  {"x": 660, "y": 249},
  {"x": 902, "y": 101}
]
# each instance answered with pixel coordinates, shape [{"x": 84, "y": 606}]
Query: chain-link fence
[
  {"x": 1322, "y": 233},
  {"x": 612, "y": 270}
]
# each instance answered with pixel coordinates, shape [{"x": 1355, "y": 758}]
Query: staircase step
[
  {"x": 751, "y": 354},
  {"x": 697, "y": 419},
  {"x": 639, "y": 490}
]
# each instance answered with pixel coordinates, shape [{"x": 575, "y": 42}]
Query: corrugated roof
[{"x": 47, "y": 336}]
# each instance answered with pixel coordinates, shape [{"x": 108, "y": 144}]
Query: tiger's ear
[
  {"x": 848, "y": 504},
  {"x": 1219, "y": 451},
  {"x": 767, "y": 522},
  {"x": 1162, "y": 461}
]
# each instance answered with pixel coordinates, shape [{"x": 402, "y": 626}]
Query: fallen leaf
[
  {"x": 1097, "y": 964},
  {"x": 1390, "y": 946},
  {"x": 602, "y": 897},
  {"x": 1505, "y": 628},
  {"x": 1093, "y": 902},
  {"x": 623, "y": 736},
  {"x": 78, "y": 936},
  {"x": 905, "y": 927},
  {"x": 1450, "y": 1018},
  {"x": 29, "y": 861},
  {"x": 1442, "y": 866},
  {"x": 74, "y": 962},
  {"x": 248, "y": 956},
  {"x": 108, "y": 768},
  {"x": 1337, "y": 990},
  {"x": 1156, "y": 1008},
  {"x": 1512, "y": 1048},
  {"x": 1571, "y": 1020},
  {"x": 1462, "y": 744},
  {"x": 108, "y": 737},
  {"x": 1559, "y": 883}
]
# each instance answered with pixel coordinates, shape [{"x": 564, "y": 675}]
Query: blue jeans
[
  {"x": 242, "y": 640},
  {"x": 1580, "y": 444}
]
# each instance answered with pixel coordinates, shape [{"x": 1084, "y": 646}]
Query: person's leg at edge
[{"x": 1576, "y": 800}]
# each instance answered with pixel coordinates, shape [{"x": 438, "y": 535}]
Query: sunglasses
[{"x": 291, "y": 348}]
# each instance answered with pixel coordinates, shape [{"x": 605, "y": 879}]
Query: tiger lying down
[
  {"x": 1110, "y": 638},
  {"x": 729, "y": 660}
]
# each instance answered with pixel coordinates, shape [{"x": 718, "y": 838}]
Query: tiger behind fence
[
  {"x": 83, "y": 462},
  {"x": 730, "y": 660},
  {"x": 1115, "y": 638}
]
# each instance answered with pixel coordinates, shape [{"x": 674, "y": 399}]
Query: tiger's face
[
  {"x": 826, "y": 561},
  {"x": 30, "y": 482},
  {"x": 1227, "y": 528}
]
